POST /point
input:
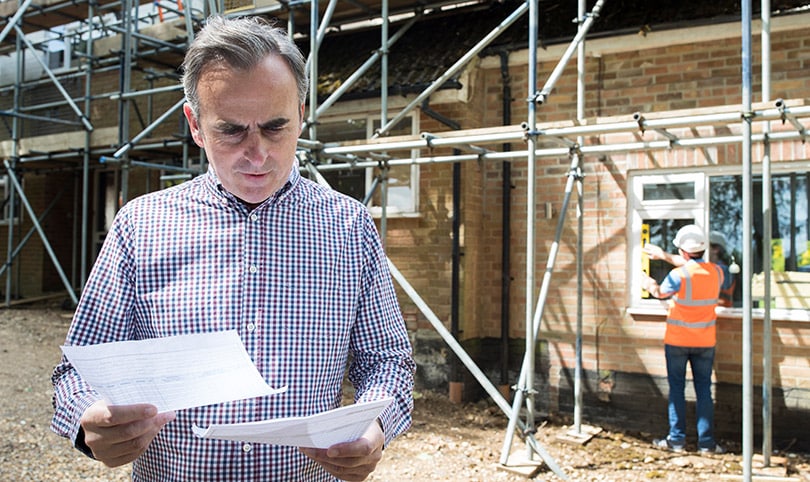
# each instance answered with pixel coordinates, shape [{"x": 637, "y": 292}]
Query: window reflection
[
  {"x": 401, "y": 194},
  {"x": 788, "y": 220},
  {"x": 661, "y": 232}
]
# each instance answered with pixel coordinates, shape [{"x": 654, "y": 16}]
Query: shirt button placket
[{"x": 253, "y": 269}]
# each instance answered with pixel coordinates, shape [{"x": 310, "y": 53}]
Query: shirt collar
[{"x": 214, "y": 184}]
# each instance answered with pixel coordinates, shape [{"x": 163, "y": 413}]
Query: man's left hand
[{"x": 351, "y": 461}]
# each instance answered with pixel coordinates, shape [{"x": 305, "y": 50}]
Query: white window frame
[
  {"x": 392, "y": 211},
  {"x": 659, "y": 209},
  {"x": 697, "y": 209}
]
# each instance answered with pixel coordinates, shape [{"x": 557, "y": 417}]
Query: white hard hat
[
  {"x": 716, "y": 237},
  {"x": 690, "y": 238}
]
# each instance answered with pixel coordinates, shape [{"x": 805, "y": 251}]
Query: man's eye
[
  {"x": 233, "y": 131},
  {"x": 273, "y": 128}
]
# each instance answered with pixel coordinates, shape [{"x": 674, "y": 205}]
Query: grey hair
[{"x": 241, "y": 43}]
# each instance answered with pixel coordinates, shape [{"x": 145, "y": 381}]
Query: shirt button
[
  {"x": 251, "y": 326},
  {"x": 253, "y": 269},
  {"x": 246, "y": 448},
  {"x": 254, "y": 217}
]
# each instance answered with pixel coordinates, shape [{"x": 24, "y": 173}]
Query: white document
[
  {"x": 172, "y": 373},
  {"x": 322, "y": 430}
]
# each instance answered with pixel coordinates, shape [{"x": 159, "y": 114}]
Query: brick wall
[
  {"x": 103, "y": 110},
  {"x": 32, "y": 269},
  {"x": 616, "y": 346},
  {"x": 679, "y": 77},
  {"x": 34, "y": 272}
]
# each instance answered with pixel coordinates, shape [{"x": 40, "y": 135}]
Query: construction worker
[{"x": 693, "y": 290}]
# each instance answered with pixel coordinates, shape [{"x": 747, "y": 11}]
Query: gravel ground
[{"x": 447, "y": 442}]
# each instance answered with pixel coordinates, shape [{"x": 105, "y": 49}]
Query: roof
[{"x": 441, "y": 38}]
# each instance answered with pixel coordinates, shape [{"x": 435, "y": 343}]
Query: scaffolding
[{"x": 116, "y": 38}]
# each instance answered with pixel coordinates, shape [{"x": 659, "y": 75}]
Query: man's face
[
  {"x": 248, "y": 124},
  {"x": 714, "y": 253}
]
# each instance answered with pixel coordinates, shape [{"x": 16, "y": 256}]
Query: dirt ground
[{"x": 447, "y": 442}]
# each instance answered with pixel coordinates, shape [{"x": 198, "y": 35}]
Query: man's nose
[{"x": 256, "y": 146}]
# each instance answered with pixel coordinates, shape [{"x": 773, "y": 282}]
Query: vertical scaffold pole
[
  {"x": 525, "y": 385},
  {"x": 767, "y": 375},
  {"x": 580, "y": 221},
  {"x": 747, "y": 329},
  {"x": 527, "y": 388}
]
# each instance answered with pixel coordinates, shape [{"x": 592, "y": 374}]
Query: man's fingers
[
  {"x": 344, "y": 468},
  {"x": 351, "y": 461},
  {"x": 122, "y": 453},
  {"x": 119, "y": 434},
  {"x": 357, "y": 449},
  {"x": 113, "y": 415}
]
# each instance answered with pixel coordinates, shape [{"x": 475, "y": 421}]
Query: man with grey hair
[{"x": 296, "y": 269}]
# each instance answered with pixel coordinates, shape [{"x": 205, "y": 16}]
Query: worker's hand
[
  {"x": 654, "y": 251},
  {"x": 651, "y": 286},
  {"x": 119, "y": 434},
  {"x": 647, "y": 282},
  {"x": 352, "y": 461}
]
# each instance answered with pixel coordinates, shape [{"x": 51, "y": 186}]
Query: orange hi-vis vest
[{"x": 691, "y": 319}]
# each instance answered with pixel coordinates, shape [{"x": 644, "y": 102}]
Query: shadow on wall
[{"x": 790, "y": 411}]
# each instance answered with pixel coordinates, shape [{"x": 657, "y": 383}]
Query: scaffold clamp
[
  {"x": 574, "y": 150},
  {"x": 639, "y": 118}
]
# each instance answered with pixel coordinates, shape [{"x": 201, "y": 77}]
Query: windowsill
[
  {"x": 394, "y": 213},
  {"x": 777, "y": 314}
]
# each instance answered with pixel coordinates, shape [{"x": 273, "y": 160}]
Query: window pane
[
  {"x": 355, "y": 182},
  {"x": 789, "y": 221},
  {"x": 660, "y": 232},
  {"x": 351, "y": 182},
  {"x": 347, "y": 130},
  {"x": 802, "y": 222},
  {"x": 668, "y": 191},
  {"x": 400, "y": 192},
  {"x": 725, "y": 224}
]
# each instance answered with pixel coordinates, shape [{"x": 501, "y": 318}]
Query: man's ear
[{"x": 193, "y": 125}]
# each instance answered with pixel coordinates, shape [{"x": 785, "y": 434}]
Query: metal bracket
[{"x": 639, "y": 118}]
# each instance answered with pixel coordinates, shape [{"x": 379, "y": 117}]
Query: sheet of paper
[
  {"x": 344, "y": 424},
  {"x": 173, "y": 372}
]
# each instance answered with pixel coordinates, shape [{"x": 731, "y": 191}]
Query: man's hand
[
  {"x": 646, "y": 282},
  {"x": 650, "y": 285},
  {"x": 654, "y": 251},
  {"x": 119, "y": 434},
  {"x": 352, "y": 461},
  {"x": 657, "y": 252}
]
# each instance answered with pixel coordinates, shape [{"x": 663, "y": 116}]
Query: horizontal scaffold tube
[
  {"x": 518, "y": 134},
  {"x": 592, "y": 150}
]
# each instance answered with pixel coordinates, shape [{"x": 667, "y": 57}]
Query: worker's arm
[{"x": 656, "y": 252}]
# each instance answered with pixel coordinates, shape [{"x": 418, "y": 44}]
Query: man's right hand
[
  {"x": 653, "y": 251},
  {"x": 119, "y": 434}
]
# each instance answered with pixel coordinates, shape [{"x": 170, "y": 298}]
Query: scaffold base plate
[
  {"x": 585, "y": 434},
  {"x": 520, "y": 464},
  {"x": 776, "y": 471}
]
